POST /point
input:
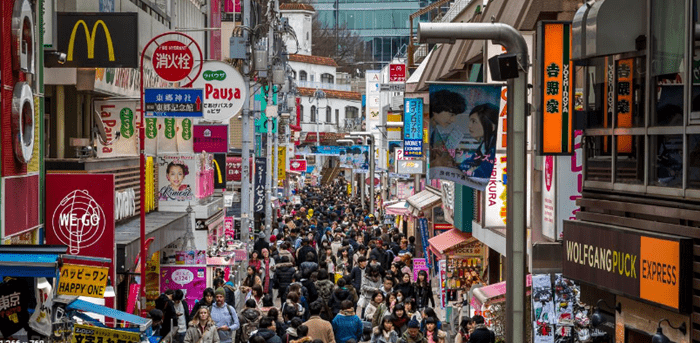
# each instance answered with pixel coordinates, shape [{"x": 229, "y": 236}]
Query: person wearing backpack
[
  {"x": 225, "y": 317},
  {"x": 249, "y": 319},
  {"x": 481, "y": 333},
  {"x": 230, "y": 297}
]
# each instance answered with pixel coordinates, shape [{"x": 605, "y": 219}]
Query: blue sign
[
  {"x": 423, "y": 223},
  {"x": 173, "y": 102},
  {"x": 413, "y": 128}
]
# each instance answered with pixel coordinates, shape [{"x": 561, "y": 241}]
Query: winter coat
[
  {"x": 406, "y": 338},
  {"x": 325, "y": 290},
  {"x": 301, "y": 254},
  {"x": 424, "y": 294},
  {"x": 441, "y": 336},
  {"x": 337, "y": 297},
  {"x": 320, "y": 329},
  {"x": 482, "y": 334},
  {"x": 210, "y": 334},
  {"x": 313, "y": 292},
  {"x": 262, "y": 270},
  {"x": 369, "y": 286},
  {"x": 248, "y": 316},
  {"x": 370, "y": 310},
  {"x": 406, "y": 289},
  {"x": 353, "y": 293},
  {"x": 169, "y": 315},
  {"x": 284, "y": 273},
  {"x": 356, "y": 277},
  {"x": 347, "y": 326},
  {"x": 378, "y": 336},
  {"x": 307, "y": 268},
  {"x": 269, "y": 336}
]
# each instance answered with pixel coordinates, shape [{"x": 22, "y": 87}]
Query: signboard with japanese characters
[
  {"x": 259, "y": 188},
  {"x": 297, "y": 165},
  {"x": 120, "y": 118},
  {"x": 210, "y": 138},
  {"x": 80, "y": 280},
  {"x": 173, "y": 60},
  {"x": 14, "y": 305},
  {"x": 281, "y": 163},
  {"x": 233, "y": 168},
  {"x": 88, "y": 333},
  {"x": 173, "y": 102},
  {"x": 556, "y": 129},
  {"x": 397, "y": 72},
  {"x": 224, "y": 90},
  {"x": 413, "y": 128},
  {"x": 625, "y": 102}
]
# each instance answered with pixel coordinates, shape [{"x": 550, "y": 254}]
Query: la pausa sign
[{"x": 653, "y": 268}]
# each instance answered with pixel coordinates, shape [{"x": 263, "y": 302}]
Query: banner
[
  {"x": 120, "y": 118},
  {"x": 324, "y": 150},
  {"x": 418, "y": 265},
  {"x": 176, "y": 178},
  {"x": 82, "y": 280},
  {"x": 413, "y": 128},
  {"x": 88, "y": 333},
  {"x": 355, "y": 157},
  {"x": 297, "y": 165},
  {"x": 259, "y": 190},
  {"x": 191, "y": 280},
  {"x": 463, "y": 132},
  {"x": 173, "y": 135},
  {"x": 282, "y": 163}
]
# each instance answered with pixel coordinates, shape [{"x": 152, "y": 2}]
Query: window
[
  {"x": 311, "y": 77},
  {"x": 337, "y": 116},
  {"x": 301, "y": 111},
  {"x": 326, "y": 78},
  {"x": 313, "y": 114},
  {"x": 329, "y": 113},
  {"x": 351, "y": 112},
  {"x": 302, "y": 76}
]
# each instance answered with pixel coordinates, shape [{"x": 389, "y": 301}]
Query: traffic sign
[
  {"x": 173, "y": 102},
  {"x": 393, "y": 87}
]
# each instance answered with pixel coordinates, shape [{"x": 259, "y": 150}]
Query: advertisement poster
[
  {"x": 120, "y": 119},
  {"x": 356, "y": 157},
  {"x": 321, "y": 150},
  {"x": 210, "y": 138},
  {"x": 404, "y": 189},
  {"x": 543, "y": 309},
  {"x": 191, "y": 280},
  {"x": 418, "y": 265},
  {"x": 259, "y": 187},
  {"x": 413, "y": 128},
  {"x": 463, "y": 132},
  {"x": 176, "y": 175}
]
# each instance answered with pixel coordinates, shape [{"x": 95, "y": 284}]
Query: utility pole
[
  {"x": 246, "y": 215},
  {"x": 516, "y": 229}
]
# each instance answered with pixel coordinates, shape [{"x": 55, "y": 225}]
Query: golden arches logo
[{"x": 90, "y": 39}]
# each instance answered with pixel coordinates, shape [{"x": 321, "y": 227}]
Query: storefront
[{"x": 420, "y": 207}]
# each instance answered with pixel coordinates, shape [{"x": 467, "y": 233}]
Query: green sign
[
  {"x": 210, "y": 75},
  {"x": 151, "y": 128},
  {"x": 186, "y": 129},
  {"x": 126, "y": 115},
  {"x": 261, "y": 123},
  {"x": 169, "y": 128}
]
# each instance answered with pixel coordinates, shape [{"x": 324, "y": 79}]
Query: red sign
[
  {"x": 397, "y": 72},
  {"x": 210, "y": 138},
  {"x": 233, "y": 168},
  {"x": 376, "y": 181},
  {"x": 297, "y": 165},
  {"x": 20, "y": 196},
  {"x": 80, "y": 213},
  {"x": 173, "y": 61},
  {"x": 440, "y": 228}
]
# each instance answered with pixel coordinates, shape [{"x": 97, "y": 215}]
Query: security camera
[{"x": 61, "y": 57}]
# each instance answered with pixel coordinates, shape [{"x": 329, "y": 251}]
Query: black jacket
[
  {"x": 269, "y": 336},
  {"x": 169, "y": 315},
  {"x": 482, "y": 335},
  {"x": 284, "y": 273},
  {"x": 187, "y": 312},
  {"x": 406, "y": 289},
  {"x": 311, "y": 287},
  {"x": 356, "y": 277},
  {"x": 301, "y": 254},
  {"x": 423, "y": 295},
  {"x": 261, "y": 244},
  {"x": 337, "y": 297}
]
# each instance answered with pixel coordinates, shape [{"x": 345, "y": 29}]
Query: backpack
[{"x": 246, "y": 330}]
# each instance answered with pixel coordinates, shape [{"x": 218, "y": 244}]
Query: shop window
[
  {"x": 599, "y": 93},
  {"x": 598, "y": 158},
  {"x": 668, "y": 104},
  {"x": 326, "y": 78},
  {"x": 666, "y": 161},
  {"x": 629, "y": 163},
  {"x": 694, "y": 161}
]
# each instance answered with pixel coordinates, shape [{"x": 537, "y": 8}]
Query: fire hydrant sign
[
  {"x": 173, "y": 61},
  {"x": 80, "y": 280},
  {"x": 173, "y": 102},
  {"x": 86, "y": 333},
  {"x": 224, "y": 90}
]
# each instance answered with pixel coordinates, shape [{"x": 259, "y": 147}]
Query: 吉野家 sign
[
  {"x": 101, "y": 40},
  {"x": 173, "y": 102},
  {"x": 89, "y": 333},
  {"x": 654, "y": 268},
  {"x": 82, "y": 280}
]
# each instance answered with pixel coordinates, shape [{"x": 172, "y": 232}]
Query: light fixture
[
  {"x": 659, "y": 337},
  {"x": 597, "y": 318},
  {"x": 109, "y": 290},
  {"x": 392, "y": 124}
]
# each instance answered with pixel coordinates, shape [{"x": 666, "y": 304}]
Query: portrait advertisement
[
  {"x": 463, "y": 132},
  {"x": 177, "y": 177}
]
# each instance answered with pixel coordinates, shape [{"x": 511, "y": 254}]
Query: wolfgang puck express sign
[{"x": 629, "y": 262}]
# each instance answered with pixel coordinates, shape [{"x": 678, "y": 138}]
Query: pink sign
[
  {"x": 418, "y": 265},
  {"x": 191, "y": 280},
  {"x": 404, "y": 189},
  {"x": 232, "y": 6},
  {"x": 228, "y": 228},
  {"x": 297, "y": 165},
  {"x": 210, "y": 138}
]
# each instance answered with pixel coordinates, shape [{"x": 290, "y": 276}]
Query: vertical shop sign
[
  {"x": 549, "y": 198},
  {"x": 442, "y": 265},
  {"x": 556, "y": 133},
  {"x": 120, "y": 118},
  {"x": 423, "y": 222},
  {"x": 413, "y": 128},
  {"x": 260, "y": 177},
  {"x": 625, "y": 103},
  {"x": 282, "y": 163}
]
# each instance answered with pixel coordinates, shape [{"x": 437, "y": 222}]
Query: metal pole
[
  {"x": 371, "y": 174},
  {"x": 246, "y": 214},
  {"x": 276, "y": 154},
  {"x": 268, "y": 179},
  {"x": 516, "y": 237}
]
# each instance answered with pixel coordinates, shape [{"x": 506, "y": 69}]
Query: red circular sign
[{"x": 173, "y": 61}]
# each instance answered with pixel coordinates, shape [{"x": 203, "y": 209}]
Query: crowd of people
[{"x": 330, "y": 272}]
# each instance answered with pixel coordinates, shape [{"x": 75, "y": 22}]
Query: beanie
[
  {"x": 221, "y": 291},
  {"x": 413, "y": 324}
]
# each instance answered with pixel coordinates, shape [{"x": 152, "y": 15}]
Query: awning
[
  {"x": 85, "y": 306},
  {"x": 400, "y": 208},
  {"x": 444, "y": 241},
  {"x": 493, "y": 293},
  {"x": 424, "y": 199},
  {"x": 165, "y": 227},
  {"x": 30, "y": 260}
]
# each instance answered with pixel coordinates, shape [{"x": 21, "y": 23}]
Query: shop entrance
[{"x": 636, "y": 336}]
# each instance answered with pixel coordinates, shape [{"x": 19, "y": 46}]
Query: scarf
[{"x": 266, "y": 283}]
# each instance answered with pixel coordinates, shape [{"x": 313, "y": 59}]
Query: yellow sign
[
  {"x": 90, "y": 40},
  {"x": 80, "y": 280},
  {"x": 282, "y": 163},
  {"x": 87, "y": 333}
]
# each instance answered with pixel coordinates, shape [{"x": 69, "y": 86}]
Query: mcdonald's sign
[{"x": 100, "y": 40}]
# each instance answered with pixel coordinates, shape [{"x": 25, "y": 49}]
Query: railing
[
  {"x": 455, "y": 9},
  {"x": 323, "y": 85}
]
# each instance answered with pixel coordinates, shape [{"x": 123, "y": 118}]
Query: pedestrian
[
  {"x": 412, "y": 309},
  {"x": 374, "y": 304},
  {"x": 399, "y": 318},
  {"x": 183, "y": 315},
  {"x": 324, "y": 286},
  {"x": 224, "y": 316},
  {"x": 339, "y": 294},
  {"x": 423, "y": 291},
  {"x": 156, "y": 317},
  {"x": 254, "y": 260},
  {"x": 347, "y": 325},
  {"x": 319, "y": 328},
  {"x": 432, "y": 333},
  {"x": 405, "y": 286},
  {"x": 256, "y": 294},
  {"x": 464, "y": 331},
  {"x": 202, "y": 328},
  {"x": 284, "y": 273},
  {"x": 248, "y": 319},
  {"x": 252, "y": 278},
  {"x": 206, "y": 301},
  {"x": 481, "y": 334},
  {"x": 413, "y": 334},
  {"x": 385, "y": 333},
  {"x": 303, "y": 335},
  {"x": 267, "y": 268},
  {"x": 429, "y": 313},
  {"x": 267, "y": 331},
  {"x": 165, "y": 304},
  {"x": 370, "y": 284},
  {"x": 230, "y": 291},
  {"x": 358, "y": 273},
  {"x": 290, "y": 333}
]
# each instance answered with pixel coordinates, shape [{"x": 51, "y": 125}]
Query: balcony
[{"x": 323, "y": 85}]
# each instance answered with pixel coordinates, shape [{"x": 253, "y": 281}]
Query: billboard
[
  {"x": 413, "y": 127},
  {"x": 464, "y": 121},
  {"x": 120, "y": 118},
  {"x": 176, "y": 175}
]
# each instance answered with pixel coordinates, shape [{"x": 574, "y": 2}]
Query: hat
[
  {"x": 273, "y": 239},
  {"x": 221, "y": 291},
  {"x": 413, "y": 324}
]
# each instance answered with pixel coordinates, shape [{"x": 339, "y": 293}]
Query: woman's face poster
[
  {"x": 176, "y": 177},
  {"x": 464, "y": 129}
]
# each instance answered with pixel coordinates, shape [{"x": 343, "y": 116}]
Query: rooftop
[
  {"x": 346, "y": 95},
  {"x": 326, "y": 61},
  {"x": 296, "y": 6}
]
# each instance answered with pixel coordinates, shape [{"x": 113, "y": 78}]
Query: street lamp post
[
  {"x": 516, "y": 234},
  {"x": 370, "y": 137}
]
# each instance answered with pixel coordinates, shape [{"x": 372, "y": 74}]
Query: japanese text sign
[
  {"x": 173, "y": 102},
  {"x": 297, "y": 165},
  {"x": 80, "y": 280},
  {"x": 625, "y": 104},
  {"x": 210, "y": 138},
  {"x": 413, "y": 128},
  {"x": 418, "y": 265},
  {"x": 397, "y": 72},
  {"x": 556, "y": 88},
  {"x": 224, "y": 90},
  {"x": 173, "y": 60},
  {"x": 87, "y": 333},
  {"x": 260, "y": 177}
]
